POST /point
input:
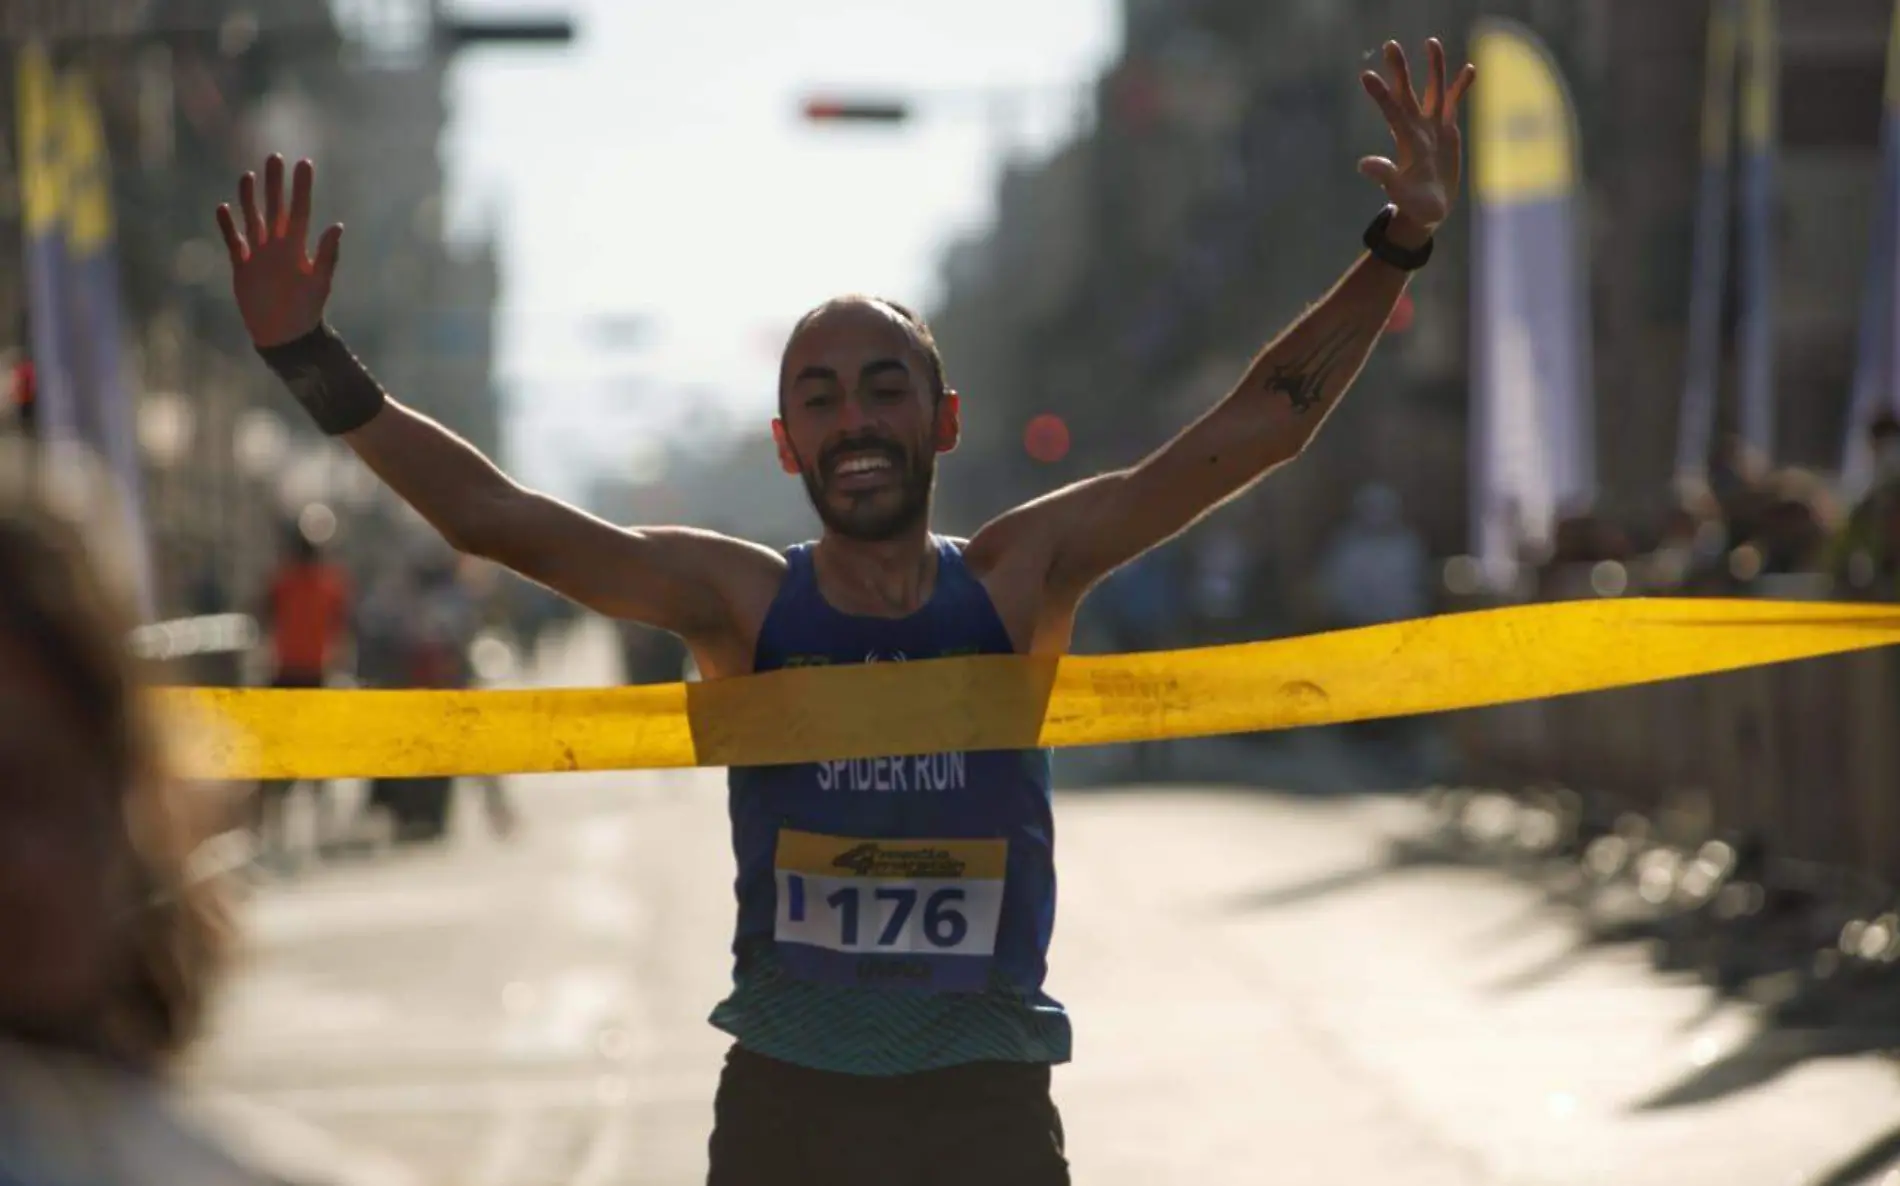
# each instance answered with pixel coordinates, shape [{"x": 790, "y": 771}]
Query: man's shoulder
[
  {"x": 1017, "y": 543},
  {"x": 746, "y": 573},
  {"x": 746, "y": 558}
]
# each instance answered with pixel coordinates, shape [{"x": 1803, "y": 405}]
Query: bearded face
[{"x": 861, "y": 422}]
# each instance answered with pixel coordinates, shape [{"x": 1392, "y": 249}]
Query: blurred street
[{"x": 1260, "y": 995}]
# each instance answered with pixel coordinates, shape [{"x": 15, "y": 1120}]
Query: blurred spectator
[
  {"x": 1864, "y": 558},
  {"x": 111, "y": 944},
  {"x": 435, "y": 624},
  {"x": 649, "y": 656},
  {"x": 1580, "y": 544},
  {"x": 1220, "y": 563},
  {"x": 22, "y": 387},
  {"x": 1691, "y": 546},
  {"x": 1138, "y": 605},
  {"x": 1375, "y": 568},
  {"x": 381, "y": 626},
  {"x": 1792, "y": 536},
  {"x": 444, "y": 627},
  {"x": 1736, "y": 472},
  {"x": 305, "y": 615}
]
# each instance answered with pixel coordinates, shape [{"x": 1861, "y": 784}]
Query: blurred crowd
[
  {"x": 421, "y": 617},
  {"x": 1750, "y": 531}
]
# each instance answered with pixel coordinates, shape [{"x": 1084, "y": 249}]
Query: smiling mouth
[{"x": 863, "y": 470}]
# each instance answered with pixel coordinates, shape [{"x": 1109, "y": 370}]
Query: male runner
[{"x": 888, "y": 1010}]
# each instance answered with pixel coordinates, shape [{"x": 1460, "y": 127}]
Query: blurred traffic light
[
  {"x": 465, "y": 32},
  {"x": 1402, "y": 314},
  {"x": 869, "y": 111},
  {"x": 1046, "y": 438}
]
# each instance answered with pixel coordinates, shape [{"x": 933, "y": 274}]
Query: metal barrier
[
  {"x": 209, "y": 650},
  {"x": 1801, "y": 758},
  {"x": 181, "y": 638}
]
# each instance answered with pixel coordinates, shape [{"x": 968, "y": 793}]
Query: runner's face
[{"x": 860, "y": 424}]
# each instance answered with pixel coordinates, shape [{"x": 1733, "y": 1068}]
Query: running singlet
[{"x": 894, "y": 912}]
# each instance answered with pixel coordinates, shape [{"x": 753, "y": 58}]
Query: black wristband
[
  {"x": 330, "y": 382},
  {"x": 1406, "y": 259}
]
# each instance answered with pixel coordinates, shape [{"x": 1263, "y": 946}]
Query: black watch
[{"x": 1406, "y": 259}]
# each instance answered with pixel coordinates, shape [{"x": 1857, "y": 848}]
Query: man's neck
[{"x": 894, "y": 576}]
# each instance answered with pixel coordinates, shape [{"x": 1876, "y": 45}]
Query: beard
[{"x": 872, "y": 516}]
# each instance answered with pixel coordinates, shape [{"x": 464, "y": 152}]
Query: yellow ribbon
[{"x": 1010, "y": 702}]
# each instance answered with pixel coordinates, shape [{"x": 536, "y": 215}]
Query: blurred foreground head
[{"x": 107, "y": 948}]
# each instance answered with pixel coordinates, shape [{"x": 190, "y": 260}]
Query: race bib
[{"x": 912, "y": 914}]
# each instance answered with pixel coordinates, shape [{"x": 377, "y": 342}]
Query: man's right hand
[{"x": 280, "y": 289}]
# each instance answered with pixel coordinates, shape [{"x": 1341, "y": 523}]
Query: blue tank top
[{"x": 895, "y": 912}]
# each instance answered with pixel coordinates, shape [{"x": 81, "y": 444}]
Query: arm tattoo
[{"x": 1306, "y": 381}]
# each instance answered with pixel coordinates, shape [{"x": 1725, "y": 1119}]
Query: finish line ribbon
[{"x": 1456, "y": 661}]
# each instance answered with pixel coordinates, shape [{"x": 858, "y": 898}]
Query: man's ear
[
  {"x": 787, "y": 459},
  {"x": 949, "y": 424}
]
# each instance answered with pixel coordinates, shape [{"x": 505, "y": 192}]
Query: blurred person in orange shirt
[{"x": 306, "y": 615}]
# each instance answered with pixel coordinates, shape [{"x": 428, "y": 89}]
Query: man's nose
[{"x": 855, "y": 415}]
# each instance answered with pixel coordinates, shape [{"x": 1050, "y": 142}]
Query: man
[
  {"x": 306, "y": 611},
  {"x": 888, "y": 1010}
]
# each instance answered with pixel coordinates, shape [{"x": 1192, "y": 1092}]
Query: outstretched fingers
[
  {"x": 274, "y": 196},
  {"x": 1434, "y": 77},
  {"x": 1401, "y": 77},
  {"x": 247, "y": 202},
  {"x": 1459, "y": 86},
  {"x": 303, "y": 181},
  {"x": 1383, "y": 96},
  {"x": 233, "y": 242},
  {"x": 329, "y": 248}
]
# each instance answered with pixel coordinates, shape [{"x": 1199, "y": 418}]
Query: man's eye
[{"x": 891, "y": 393}]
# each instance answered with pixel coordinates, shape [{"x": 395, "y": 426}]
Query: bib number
[{"x": 915, "y": 914}]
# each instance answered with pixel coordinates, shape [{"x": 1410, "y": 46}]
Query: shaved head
[{"x": 860, "y": 306}]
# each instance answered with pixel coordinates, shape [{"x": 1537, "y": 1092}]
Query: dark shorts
[{"x": 775, "y": 1124}]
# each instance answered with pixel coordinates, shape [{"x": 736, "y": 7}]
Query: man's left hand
[{"x": 1423, "y": 181}]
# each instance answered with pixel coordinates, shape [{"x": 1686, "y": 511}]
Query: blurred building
[
  {"x": 422, "y": 311},
  {"x": 1131, "y": 277},
  {"x": 1640, "y": 154},
  {"x": 193, "y": 93}
]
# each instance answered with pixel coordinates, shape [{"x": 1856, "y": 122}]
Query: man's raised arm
[
  {"x": 674, "y": 578},
  {"x": 1089, "y": 529}
]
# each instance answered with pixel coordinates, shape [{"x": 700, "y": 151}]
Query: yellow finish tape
[{"x": 1008, "y": 702}]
